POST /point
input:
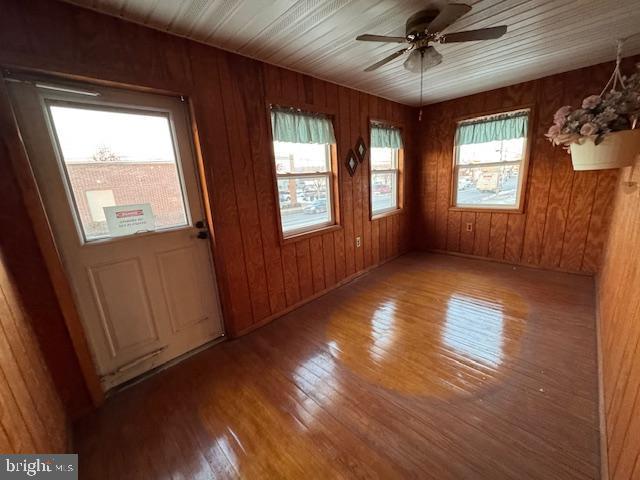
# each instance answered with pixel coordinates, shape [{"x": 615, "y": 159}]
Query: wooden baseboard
[
  {"x": 506, "y": 262},
  {"x": 604, "y": 450},
  {"x": 319, "y": 294}
]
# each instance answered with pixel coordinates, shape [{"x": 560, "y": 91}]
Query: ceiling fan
[{"x": 425, "y": 27}]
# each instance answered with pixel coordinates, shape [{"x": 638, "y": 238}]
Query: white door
[{"x": 119, "y": 184}]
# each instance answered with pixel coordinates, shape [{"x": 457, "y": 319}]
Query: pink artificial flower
[
  {"x": 560, "y": 116},
  {"x": 592, "y": 101},
  {"x": 588, "y": 129},
  {"x": 554, "y": 130}
]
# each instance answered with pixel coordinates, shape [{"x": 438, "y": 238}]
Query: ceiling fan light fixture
[
  {"x": 414, "y": 63},
  {"x": 426, "y": 26}
]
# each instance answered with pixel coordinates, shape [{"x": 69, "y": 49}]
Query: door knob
[{"x": 202, "y": 234}]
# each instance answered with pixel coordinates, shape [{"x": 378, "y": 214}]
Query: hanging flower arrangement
[
  {"x": 603, "y": 131},
  {"x": 598, "y": 115}
]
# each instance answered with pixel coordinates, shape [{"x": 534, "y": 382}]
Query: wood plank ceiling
[{"x": 316, "y": 37}]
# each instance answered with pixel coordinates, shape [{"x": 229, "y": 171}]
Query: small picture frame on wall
[
  {"x": 361, "y": 149},
  {"x": 352, "y": 162}
]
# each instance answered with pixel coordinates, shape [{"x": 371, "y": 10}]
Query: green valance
[
  {"x": 497, "y": 127},
  {"x": 385, "y": 137},
  {"x": 299, "y": 127}
]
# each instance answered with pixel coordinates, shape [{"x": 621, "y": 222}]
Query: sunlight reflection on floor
[{"x": 464, "y": 340}]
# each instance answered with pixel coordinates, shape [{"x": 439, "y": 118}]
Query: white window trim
[
  {"x": 329, "y": 174},
  {"x": 396, "y": 171},
  {"x": 69, "y": 98}
]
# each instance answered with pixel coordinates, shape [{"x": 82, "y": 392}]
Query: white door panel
[
  {"x": 180, "y": 267},
  {"x": 121, "y": 294},
  {"x": 146, "y": 297}
]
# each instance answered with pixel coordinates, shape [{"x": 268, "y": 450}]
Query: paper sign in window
[{"x": 129, "y": 219}]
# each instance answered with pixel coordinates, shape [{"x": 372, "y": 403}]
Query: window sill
[
  {"x": 388, "y": 213},
  {"x": 309, "y": 234},
  {"x": 487, "y": 209}
]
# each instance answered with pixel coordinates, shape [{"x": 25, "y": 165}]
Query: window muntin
[
  {"x": 304, "y": 173},
  {"x": 488, "y": 171},
  {"x": 115, "y": 158},
  {"x": 384, "y": 179}
]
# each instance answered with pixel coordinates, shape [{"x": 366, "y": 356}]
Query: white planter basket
[{"x": 618, "y": 149}]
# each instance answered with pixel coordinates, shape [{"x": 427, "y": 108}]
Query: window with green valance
[
  {"x": 490, "y": 162},
  {"x": 385, "y": 137},
  {"x": 496, "y": 127},
  {"x": 293, "y": 126},
  {"x": 305, "y": 170},
  {"x": 384, "y": 169}
]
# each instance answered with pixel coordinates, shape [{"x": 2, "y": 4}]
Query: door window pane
[
  {"x": 304, "y": 202},
  {"x": 118, "y": 159}
]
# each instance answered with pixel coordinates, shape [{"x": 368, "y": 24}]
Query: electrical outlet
[
  {"x": 469, "y": 227},
  {"x": 358, "y": 242}
]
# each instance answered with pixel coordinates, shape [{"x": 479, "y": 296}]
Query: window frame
[
  {"x": 114, "y": 101},
  {"x": 524, "y": 164},
  {"x": 333, "y": 189},
  {"x": 399, "y": 171}
]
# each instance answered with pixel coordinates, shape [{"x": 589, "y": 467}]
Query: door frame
[{"x": 19, "y": 158}]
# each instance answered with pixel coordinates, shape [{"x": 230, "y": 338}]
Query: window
[
  {"x": 119, "y": 158},
  {"x": 97, "y": 200},
  {"x": 386, "y": 146},
  {"x": 302, "y": 146},
  {"x": 490, "y": 161}
]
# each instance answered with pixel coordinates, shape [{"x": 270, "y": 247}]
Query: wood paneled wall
[
  {"x": 563, "y": 227},
  {"x": 25, "y": 273},
  {"x": 258, "y": 277},
  {"x": 32, "y": 418},
  {"x": 619, "y": 316},
  {"x": 232, "y": 121},
  {"x": 564, "y": 224}
]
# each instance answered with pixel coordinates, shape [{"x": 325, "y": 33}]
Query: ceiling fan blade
[
  {"x": 447, "y": 16},
  {"x": 380, "y": 38},
  {"x": 376, "y": 65},
  {"x": 472, "y": 35}
]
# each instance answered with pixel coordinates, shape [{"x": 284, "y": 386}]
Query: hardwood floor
[{"x": 428, "y": 367}]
